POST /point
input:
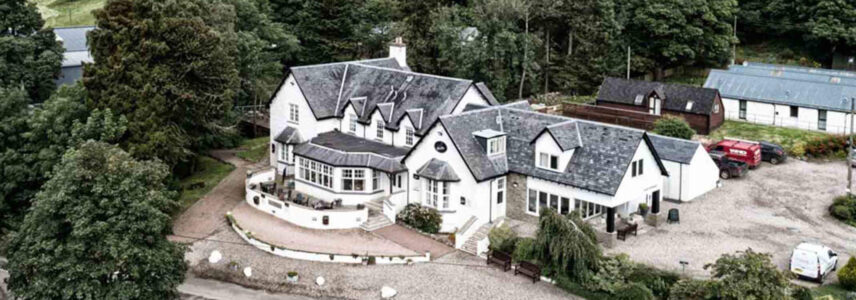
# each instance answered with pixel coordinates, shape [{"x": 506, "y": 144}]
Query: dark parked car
[
  {"x": 773, "y": 153},
  {"x": 728, "y": 168}
]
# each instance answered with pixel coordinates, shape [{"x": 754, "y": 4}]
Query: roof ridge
[
  {"x": 347, "y": 62},
  {"x": 780, "y": 78},
  {"x": 414, "y": 73},
  {"x": 673, "y": 138}
]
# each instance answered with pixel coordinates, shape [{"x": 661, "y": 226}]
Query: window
[
  {"x": 352, "y": 123},
  {"x": 716, "y": 108},
  {"x": 500, "y": 190},
  {"x": 637, "y": 168},
  {"x": 293, "y": 113},
  {"x": 316, "y": 172},
  {"x": 795, "y": 112},
  {"x": 690, "y": 105},
  {"x": 408, "y": 136},
  {"x": 538, "y": 200},
  {"x": 379, "y": 124},
  {"x": 548, "y": 161},
  {"x": 496, "y": 146},
  {"x": 353, "y": 179},
  {"x": 272, "y": 148},
  {"x": 438, "y": 191},
  {"x": 463, "y": 201},
  {"x": 742, "y": 113},
  {"x": 283, "y": 153},
  {"x": 375, "y": 180},
  {"x": 821, "y": 119}
]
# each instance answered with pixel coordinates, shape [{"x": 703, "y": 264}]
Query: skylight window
[
  {"x": 690, "y": 105},
  {"x": 638, "y": 100}
]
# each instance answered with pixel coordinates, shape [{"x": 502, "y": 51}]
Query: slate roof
[
  {"x": 329, "y": 87},
  {"x": 487, "y": 93},
  {"x": 674, "y": 96},
  {"x": 598, "y": 166},
  {"x": 74, "y": 41},
  {"x": 832, "y": 72},
  {"x": 674, "y": 149},
  {"x": 289, "y": 136},
  {"x": 781, "y": 90},
  {"x": 566, "y": 134},
  {"x": 470, "y": 107},
  {"x": 439, "y": 170},
  {"x": 344, "y": 150}
]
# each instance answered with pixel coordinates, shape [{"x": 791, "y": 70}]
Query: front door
[
  {"x": 499, "y": 198},
  {"x": 655, "y": 202}
]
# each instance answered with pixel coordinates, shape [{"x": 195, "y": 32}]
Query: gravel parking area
[
  {"x": 771, "y": 210},
  {"x": 454, "y": 276}
]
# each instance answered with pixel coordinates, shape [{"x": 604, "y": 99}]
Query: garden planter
[{"x": 292, "y": 277}]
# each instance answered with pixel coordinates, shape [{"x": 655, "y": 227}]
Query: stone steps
[
  {"x": 471, "y": 245},
  {"x": 375, "y": 222}
]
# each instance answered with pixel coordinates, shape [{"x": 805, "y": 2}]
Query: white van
[{"x": 813, "y": 261}]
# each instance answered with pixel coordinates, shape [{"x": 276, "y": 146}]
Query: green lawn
[
  {"x": 210, "y": 173},
  {"x": 787, "y": 137},
  {"x": 254, "y": 149},
  {"x": 834, "y": 290},
  {"x": 63, "y": 13}
]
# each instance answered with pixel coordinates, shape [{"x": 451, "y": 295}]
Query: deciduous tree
[{"x": 97, "y": 231}]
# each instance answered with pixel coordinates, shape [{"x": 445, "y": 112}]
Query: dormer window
[
  {"x": 496, "y": 145},
  {"x": 548, "y": 161}
]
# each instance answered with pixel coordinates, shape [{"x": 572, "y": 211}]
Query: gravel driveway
[
  {"x": 771, "y": 210},
  {"x": 454, "y": 276}
]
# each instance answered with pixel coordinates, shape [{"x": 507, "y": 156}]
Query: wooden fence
[{"x": 608, "y": 115}]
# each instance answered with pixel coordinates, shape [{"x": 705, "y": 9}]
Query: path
[
  {"x": 413, "y": 240},
  {"x": 197, "y": 288},
  {"x": 204, "y": 217}
]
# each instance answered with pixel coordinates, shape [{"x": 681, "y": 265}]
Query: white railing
[{"x": 389, "y": 210}]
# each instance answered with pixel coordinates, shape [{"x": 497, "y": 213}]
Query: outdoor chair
[
  {"x": 299, "y": 199},
  {"x": 674, "y": 217}
]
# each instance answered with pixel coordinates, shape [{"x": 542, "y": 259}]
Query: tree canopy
[
  {"x": 674, "y": 127},
  {"x": 97, "y": 231},
  {"x": 169, "y": 67},
  {"x": 30, "y": 57},
  {"x": 567, "y": 245}
]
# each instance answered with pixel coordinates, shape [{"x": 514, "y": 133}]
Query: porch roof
[
  {"x": 343, "y": 150},
  {"x": 439, "y": 170}
]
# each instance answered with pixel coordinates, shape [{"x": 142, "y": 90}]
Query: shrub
[
  {"x": 798, "y": 149},
  {"x": 847, "y": 275},
  {"x": 801, "y": 293},
  {"x": 658, "y": 281},
  {"x": 425, "y": 219},
  {"x": 732, "y": 272},
  {"x": 634, "y": 291},
  {"x": 524, "y": 249},
  {"x": 844, "y": 208},
  {"x": 826, "y": 146},
  {"x": 674, "y": 127},
  {"x": 690, "y": 289},
  {"x": 502, "y": 238},
  {"x": 611, "y": 274}
]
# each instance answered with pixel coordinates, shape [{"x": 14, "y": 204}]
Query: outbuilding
[{"x": 692, "y": 171}]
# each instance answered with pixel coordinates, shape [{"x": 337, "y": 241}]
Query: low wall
[
  {"x": 321, "y": 257},
  {"x": 304, "y": 216}
]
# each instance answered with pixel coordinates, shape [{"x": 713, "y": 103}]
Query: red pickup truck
[{"x": 745, "y": 151}]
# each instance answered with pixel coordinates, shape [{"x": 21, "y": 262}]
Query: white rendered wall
[
  {"x": 780, "y": 115},
  {"x": 307, "y": 125},
  {"x": 702, "y": 176},
  {"x": 672, "y": 184},
  {"x": 371, "y": 130},
  {"x": 478, "y": 195},
  {"x": 635, "y": 190},
  {"x": 399, "y": 138},
  {"x": 473, "y": 96},
  {"x": 546, "y": 144}
]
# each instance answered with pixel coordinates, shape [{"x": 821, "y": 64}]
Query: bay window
[
  {"x": 353, "y": 179},
  {"x": 538, "y": 200},
  {"x": 437, "y": 193},
  {"x": 375, "y": 180},
  {"x": 315, "y": 172}
]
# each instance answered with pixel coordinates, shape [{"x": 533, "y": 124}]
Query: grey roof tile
[
  {"x": 675, "y": 96},
  {"x": 289, "y": 136},
  {"x": 73, "y": 38},
  {"x": 344, "y": 150},
  {"x": 436, "y": 169},
  {"x": 487, "y": 93},
  {"x": 780, "y": 90},
  {"x": 673, "y": 149}
]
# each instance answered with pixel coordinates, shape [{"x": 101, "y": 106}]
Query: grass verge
[
  {"x": 787, "y": 137},
  {"x": 254, "y": 149},
  {"x": 834, "y": 290},
  {"x": 64, "y": 13},
  {"x": 210, "y": 173}
]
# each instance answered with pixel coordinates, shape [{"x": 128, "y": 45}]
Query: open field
[{"x": 65, "y": 13}]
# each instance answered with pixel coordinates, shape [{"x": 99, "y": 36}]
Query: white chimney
[{"x": 398, "y": 51}]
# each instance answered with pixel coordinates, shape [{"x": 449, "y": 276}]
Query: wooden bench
[
  {"x": 500, "y": 258},
  {"x": 529, "y": 269},
  {"x": 622, "y": 233}
]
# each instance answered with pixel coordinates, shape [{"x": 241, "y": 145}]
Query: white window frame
[
  {"x": 353, "y": 176},
  {"x": 547, "y": 163},
  {"x": 352, "y": 123},
  {"x": 315, "y": 172},
  {"x": 380, "y": 125},
  {"x": 496, "y": 145},
  {"x": 562, "y": 203},
  {"x": 437, "y": 192},
  {"x": 293, "y": 113},
  {"x": 408, "y": 136},
  {"x": 283, "y": 152},
  {"x": 376, "y": 180}
]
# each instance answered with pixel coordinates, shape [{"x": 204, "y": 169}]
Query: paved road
[{"x": 204, "y": 289}]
